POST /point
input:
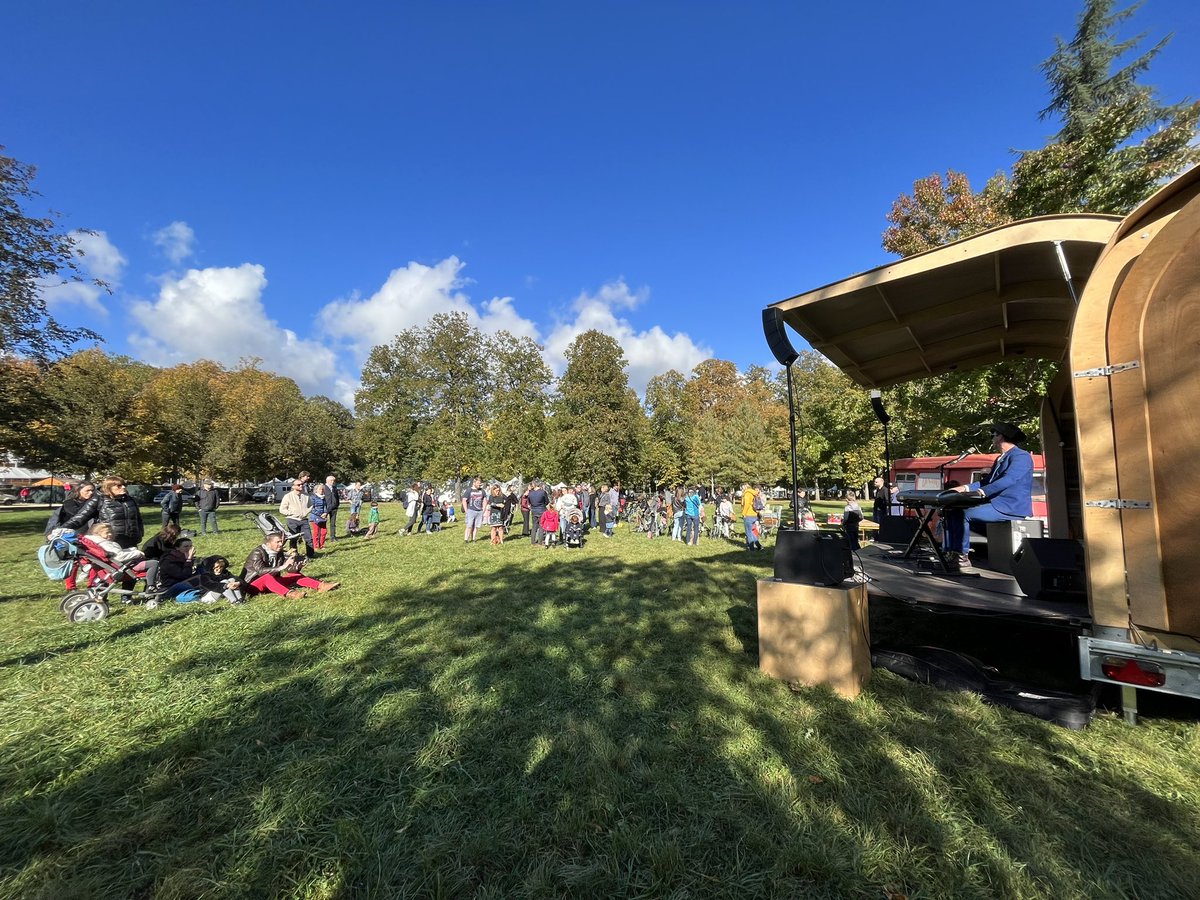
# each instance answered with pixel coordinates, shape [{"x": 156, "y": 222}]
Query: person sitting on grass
[
  {"x": 177, "y": 569},
  {"x": 269, "y": 570},
  {"x": 158, "y": 547},
  {"x": 216, "y": 582}
]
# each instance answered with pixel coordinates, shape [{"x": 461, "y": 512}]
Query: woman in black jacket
[
  {"x": 79, "y": 509},
  {"x": 120, "y": 511}
]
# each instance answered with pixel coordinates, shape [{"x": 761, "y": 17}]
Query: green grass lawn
[{"x": 514, "y": 722}]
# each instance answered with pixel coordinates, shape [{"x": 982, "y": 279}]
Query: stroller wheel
[
  {"x": 151, "y": 604},
  {"x": 73, "y": 599},
  {"x": 90, "y": 610}
]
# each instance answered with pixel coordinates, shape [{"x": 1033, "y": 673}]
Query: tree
[
  {"x": 597, "y": 426},
  {"x": 669, "y": 428},
  {"x": 33, "y": 252},
  {"x": 182, "y": 403},
  {"x": 256, "y": 434},
  {"x": 423, "y": 401},
  {"x": 1117, "y": 142},
  {"x": 97, "y": 420},
  {"x": 329, "y": 440},
  {"x": 939, "y": 212},
  {"x": 515, "y": 432}
]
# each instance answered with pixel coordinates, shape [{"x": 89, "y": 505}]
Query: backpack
[
  {"x": 53, "y": 521},
  {"x": 758, "y": 503}
]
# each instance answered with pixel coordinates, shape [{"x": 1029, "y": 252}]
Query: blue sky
[{"x": 299, "y": 181}]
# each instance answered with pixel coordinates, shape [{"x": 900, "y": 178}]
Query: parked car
[{"x": 7, "y": 499}]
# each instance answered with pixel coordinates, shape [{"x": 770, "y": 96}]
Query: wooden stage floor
[{"x": 989, "y": 592}]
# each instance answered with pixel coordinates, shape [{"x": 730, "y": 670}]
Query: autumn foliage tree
[{"x": 941, "y": 210}]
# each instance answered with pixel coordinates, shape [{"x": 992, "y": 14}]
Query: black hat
[{"x": 1009, "y": 432}]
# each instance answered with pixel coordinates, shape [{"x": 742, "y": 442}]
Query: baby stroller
[
  {"x": 91, "y": 578},
  {"x": 769, "y": 520},
  {"x": 573, "y": 529},
  {"x": 267, "y": 523}
]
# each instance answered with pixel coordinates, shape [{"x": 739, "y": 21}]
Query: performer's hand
[{"x": 960, "y": 488}]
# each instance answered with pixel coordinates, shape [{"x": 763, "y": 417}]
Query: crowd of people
[{"x": 563, "y": 515}]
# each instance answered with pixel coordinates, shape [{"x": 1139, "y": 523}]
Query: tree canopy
[{"x": 34, "y": 253}]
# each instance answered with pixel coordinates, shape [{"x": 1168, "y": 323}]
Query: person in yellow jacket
[{"x": 750, "y": 517}]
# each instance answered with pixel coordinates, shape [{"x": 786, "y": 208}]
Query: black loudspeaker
[
  {"x": 1051, "y": 569},
  {"x": 812, "y": 557},
  {"x": 777, "y": 338},
  {"x": 897, "y": 529}
]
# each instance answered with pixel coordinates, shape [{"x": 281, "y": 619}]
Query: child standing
[
  {"x": 373, "y": 520},
  {"x": 549, "y": 525},
  {"x": 318, "y": 517}
]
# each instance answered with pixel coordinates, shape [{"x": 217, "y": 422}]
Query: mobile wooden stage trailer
[{"x": 1117, "y": 302}]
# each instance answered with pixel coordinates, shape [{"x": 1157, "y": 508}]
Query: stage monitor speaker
[
  {"x": 897, "y": 529},
  {"x": 1051, "y": 569},
  {"x": 777, "y": 339},
  {"x": 812, "y": 557}
]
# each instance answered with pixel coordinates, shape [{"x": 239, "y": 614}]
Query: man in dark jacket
[
  {"x": 207, "y": 501},
  {"x": 538, "y": 501},
  {"x": 332, "y": 501},
  {"x": 172, "y": 505}
]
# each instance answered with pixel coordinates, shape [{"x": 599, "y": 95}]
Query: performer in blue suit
[{"x": 1008, "y": 488}]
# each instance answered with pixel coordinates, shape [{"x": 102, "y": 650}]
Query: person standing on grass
[
  {"x": 373, "y": 520},
  {"x": 750, "y": 517},
  {"x": 207, "y": 501},
  {"x": 538, "y": 501},
  {"x": 678, "y": 501},
  {"x": 524, "y": 504},
  {"x": 498, "y": 511},
  {"x": 295, "y": 507},
  {"x": 120, "y": 511},
  {"x": 412, "y": 508},
  {"x": 691, "y": 513},
  {"x": 172, "y": 505},
  {"x": 355, "y": 497},
  {"x": 269, "y": 570},
  {"x": 474, "y": 499},
  {"x": 429, "y": 508},
  {"x": 332, "y": 502}
]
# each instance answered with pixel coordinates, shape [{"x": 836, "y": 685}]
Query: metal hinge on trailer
[
  {"x": 1105, "y": 371},
  {"x": 1117, "y": 503}
]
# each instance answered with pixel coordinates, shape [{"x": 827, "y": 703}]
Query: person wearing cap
[
  {"x": 207, "y": 501},
  {"x": 1008, "y": 488}
]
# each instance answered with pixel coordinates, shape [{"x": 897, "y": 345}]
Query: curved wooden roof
[{"x": 1001, "y": 293}]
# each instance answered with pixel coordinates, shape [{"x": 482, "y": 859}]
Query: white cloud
[
  {"x": 409, "y": 298},
  {"x": 414, "y": 293},
  {"x": 650, "y": 352},
  {"x": 101, "y": 259},
  {"x": 176, "y": 241},
  {"x": 218, "y": 314}
]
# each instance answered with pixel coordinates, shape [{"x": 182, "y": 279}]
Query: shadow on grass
[
  {"x": 90, "y": 638},
  {"x": 572, "y": 725}
]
